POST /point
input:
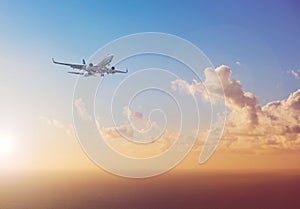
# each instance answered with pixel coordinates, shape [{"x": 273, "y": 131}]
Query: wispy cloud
[
  {"x": 295, "y": 74},
  {"x": 132, "y": 114},
  {"x": 115, "y": 138},
  {"x": 81, "y": 109},
  {"x": 137, "y": 119},
  {"x": 54, "y": 123},
  {"x": 117, "y": 132}
]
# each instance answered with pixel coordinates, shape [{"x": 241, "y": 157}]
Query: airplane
[{"x": 90, "y": 69}]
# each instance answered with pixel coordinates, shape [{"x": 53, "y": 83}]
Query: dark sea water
[{"x": 174, "y": 190}]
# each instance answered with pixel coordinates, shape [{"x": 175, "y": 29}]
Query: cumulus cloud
[
  {"x": 278, "y": 127},
  {"x": 218, "y": 83},
  {"x": 238, "y": 63},
  {"x": 284, "y": 115},
  {"x": 234, "y": 94},
  {"x": 187, "y": 88},
  {"x": 250, "y": 126}
]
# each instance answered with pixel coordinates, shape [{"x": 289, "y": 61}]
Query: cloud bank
[{"x": 249, "y": 126}]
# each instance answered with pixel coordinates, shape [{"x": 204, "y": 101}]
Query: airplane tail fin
[{"x": 83, "y": 62}]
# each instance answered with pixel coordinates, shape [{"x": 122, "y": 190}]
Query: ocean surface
[{"x": 173, "y": 190}]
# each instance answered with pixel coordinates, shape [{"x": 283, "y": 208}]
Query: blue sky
[{"x": 263, "y": 36}]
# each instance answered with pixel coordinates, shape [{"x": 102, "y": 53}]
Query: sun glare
[{"x": 6, "y": 146}]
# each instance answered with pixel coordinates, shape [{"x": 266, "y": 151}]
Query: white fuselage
[{"x": 100, "y": 68}]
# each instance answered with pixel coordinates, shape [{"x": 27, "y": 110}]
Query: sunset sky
[{"x": 253, "y": 47}]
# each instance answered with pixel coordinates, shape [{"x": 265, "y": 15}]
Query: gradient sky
[{"x": 36, "y": 96}]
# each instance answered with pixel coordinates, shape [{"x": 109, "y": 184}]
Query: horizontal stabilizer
[{"x": 119, "y": 71}]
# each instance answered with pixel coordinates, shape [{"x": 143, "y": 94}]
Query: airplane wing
[
  {"x": 77, "y": 73},
  {"x": 74, "y": 66}
]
